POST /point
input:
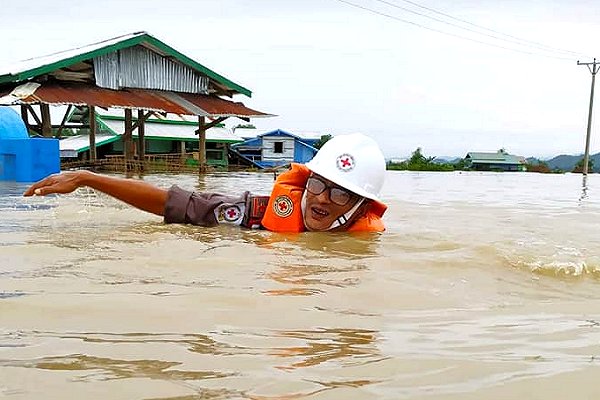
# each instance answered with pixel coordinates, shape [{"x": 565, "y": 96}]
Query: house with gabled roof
[
  {"x": 498, "y": 161},
  {"x": 275, "y": 148},
  {"x": 135, "y": 72}
]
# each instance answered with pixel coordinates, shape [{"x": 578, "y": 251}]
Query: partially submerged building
[
  {"x": 134, "y": 73},
  {"x": 165, "y": 138},
  {"x": 275, "y": 148},
  {"x": 498, "y": 161}
]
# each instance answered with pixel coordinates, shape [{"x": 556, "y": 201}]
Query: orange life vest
[{"x": 284, "y": 211}]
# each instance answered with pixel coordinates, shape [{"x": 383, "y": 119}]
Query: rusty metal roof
[
  {"x": 218, "y": 107},
  {"x": 62, "y": 93}
]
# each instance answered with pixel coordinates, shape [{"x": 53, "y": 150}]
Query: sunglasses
[{"x": 337, "y": 195}]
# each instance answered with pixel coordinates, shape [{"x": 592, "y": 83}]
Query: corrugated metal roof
[
  {"x": 248, "y": 133},
  {"x": 279, "y": 132},
  {"x": 82, "y": 142},
  {"x": 494, "y": 158},
  {"x": 139, "y": 67},
  {"x": 153, "y": 100},
  {"x": 216, "y": 107},
  {"x": 27, "y": 69},
  {"x": 173, "y": 131},
  {"x": 153, "y": 130}
]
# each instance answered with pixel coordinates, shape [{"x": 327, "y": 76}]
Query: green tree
[
  {"x": 459, "y": 165},
  {"x": 418, "y": 159},
  {"x": 322, "y": 141},
  {"x": 419, "y": 162},
  {"x": 245, "y": 126},
  {"x": 538, "y": 166},
  {"x": 579, "y": 167}
]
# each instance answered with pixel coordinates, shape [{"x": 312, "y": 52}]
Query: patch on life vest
[
  {"x": 345, "y": 162},
  {"x": 230, "y": 214},
  {"x": 283, "y": 206}
]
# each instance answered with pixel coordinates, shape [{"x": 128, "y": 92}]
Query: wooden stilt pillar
[
  {"x": 141, "y": 138},
  {"x": 92, "y": 116},
  {"x": 25, "y": 116},
  {"x": 182, "y": 151},
  {"x": 64, "y": 122},
  {"x": 128, "y": 139},
  {"x": 201, "y": 145},
  {"x": 46, "y": 122}
]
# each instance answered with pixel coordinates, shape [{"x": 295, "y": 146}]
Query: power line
[
  {"x": 513, "y": 39},
  {"x": 448, "y": 33},
  {"x": 541, "y": 45}
]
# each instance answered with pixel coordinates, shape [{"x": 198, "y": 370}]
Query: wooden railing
[{"x": 153, "y": 162}]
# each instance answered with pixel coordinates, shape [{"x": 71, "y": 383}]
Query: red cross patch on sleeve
[{"x": 230, "y": 213}]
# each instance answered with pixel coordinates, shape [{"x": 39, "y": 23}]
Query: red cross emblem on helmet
[
  {"x": 283, "y": 206},
  {"x": 345, "y": 162}
]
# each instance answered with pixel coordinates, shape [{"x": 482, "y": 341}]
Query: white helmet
[{"x": 353, "y": 162}]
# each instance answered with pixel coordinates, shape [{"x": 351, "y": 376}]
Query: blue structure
[
  {"x": 24, "y": 159},
  {"x": 276, "y": 148}
]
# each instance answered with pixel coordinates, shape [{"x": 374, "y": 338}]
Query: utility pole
[{"x": 593, "y": 67}]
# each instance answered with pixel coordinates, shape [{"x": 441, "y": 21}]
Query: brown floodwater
[{"x": 485, "y": 285}]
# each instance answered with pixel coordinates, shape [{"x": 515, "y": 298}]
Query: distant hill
[
  {"x": 567, "y": 163},
  {"x": 446, "y": 160}
]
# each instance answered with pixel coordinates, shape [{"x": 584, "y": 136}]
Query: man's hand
[
  {"x": 137, "y": 193},
  {"x": 65, "y": 182}
]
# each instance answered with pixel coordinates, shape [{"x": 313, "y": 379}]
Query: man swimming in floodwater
[{"x": 336, "y": 191}]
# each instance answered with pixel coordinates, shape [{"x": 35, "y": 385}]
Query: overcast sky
[{"x": 371, "y": 66}]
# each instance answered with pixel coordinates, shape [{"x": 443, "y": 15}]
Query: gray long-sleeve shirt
[{"x": 210, "y": 209}]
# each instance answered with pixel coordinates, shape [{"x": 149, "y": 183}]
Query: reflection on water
[
  {"x": 107, "y": 369},
  {"x": 300, "y": 276},
  {"x": 6, "y": 295},
  {"x": 308, "y": 348},
  {"x": 484, "y": 286},
  {"x": 584, "y": 189},
  {"x": 325, "y": 345}
]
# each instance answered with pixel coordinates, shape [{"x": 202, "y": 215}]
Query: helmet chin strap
[{"x": 341, "y": 220}]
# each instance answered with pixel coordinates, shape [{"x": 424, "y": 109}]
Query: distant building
[
  {"x": 276, "y": 148},
  {"x": 498, "y": 161},
  {"x": 395, "y": 160}
]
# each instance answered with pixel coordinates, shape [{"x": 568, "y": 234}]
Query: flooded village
[{"x": 456, "y": 271}]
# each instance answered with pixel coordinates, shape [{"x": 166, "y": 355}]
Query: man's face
[{"x": 325, "y": 202}]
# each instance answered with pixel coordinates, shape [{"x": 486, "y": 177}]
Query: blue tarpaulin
[{"x": 24, "y": 159}]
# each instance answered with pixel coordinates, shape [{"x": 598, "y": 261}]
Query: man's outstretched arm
[{"x": 137, "y": 193}]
